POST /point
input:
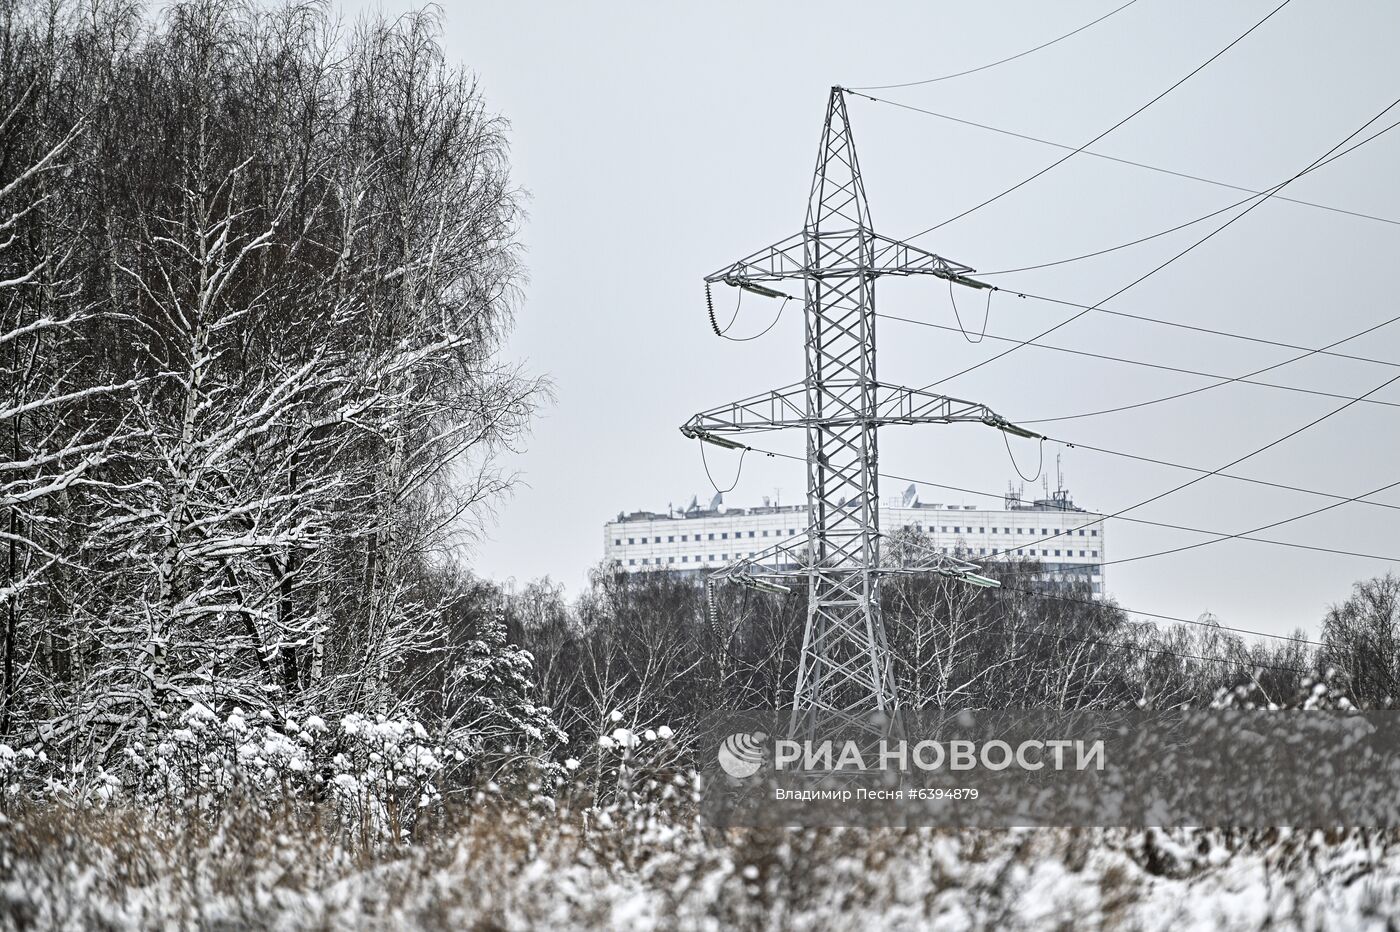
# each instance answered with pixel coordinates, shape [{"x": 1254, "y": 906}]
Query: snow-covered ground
[{"x": 506, "y": 866}]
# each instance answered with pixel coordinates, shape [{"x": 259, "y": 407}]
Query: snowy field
[{"x": 505, "y": 867}]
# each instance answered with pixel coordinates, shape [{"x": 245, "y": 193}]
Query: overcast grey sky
[{"x": 661, "y": 141}]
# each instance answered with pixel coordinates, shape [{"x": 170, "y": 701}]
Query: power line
[
  {"x": 1122, "y": 161},
  {"x": 1206, "y": 388},
  {"x": 1165, "y": 525},
  {"x": 1273, "y": 443},
  {"x": 1223, "y": 475},
  {"x": 1214, "y": 625},
  {"x": 723, "y": 333},
  {"x": 1200, "y": 219},
  {"x": 1099, "y": 308},
  {"x": 1263, "y": 527},
  {"x": 959, "y": 74},
  {"x": 1205, "y": 658},
  {"x": 738, "y": 473},
  {"x": 1162, "y": 265},
  {"x": 1143, "y": 364},
  {"x": 1101, "y": 135}
]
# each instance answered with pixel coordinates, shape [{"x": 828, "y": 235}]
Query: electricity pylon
[{"x": 845, "y": 669}]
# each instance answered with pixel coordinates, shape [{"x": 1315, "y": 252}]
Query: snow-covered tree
[{"x": 255, "y": 274}]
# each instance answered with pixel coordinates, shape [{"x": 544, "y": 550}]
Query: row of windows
[
  {"x": 646, "y": 561},
  {"x": 658, "y": 561},
  {"x": 1006, "y": 530},
  {"x": 723, "y": 535},
  {"x": 685, "y": 538},
  {"x": 1030, "y": 552}
]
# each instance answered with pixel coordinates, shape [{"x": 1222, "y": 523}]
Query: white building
[{"x": 699, "y": 539}]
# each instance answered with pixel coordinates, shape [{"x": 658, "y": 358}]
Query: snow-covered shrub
[{"x": 376, "y": 771}]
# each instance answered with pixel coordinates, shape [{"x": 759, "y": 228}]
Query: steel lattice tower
[{"x": 845, "y": 668}]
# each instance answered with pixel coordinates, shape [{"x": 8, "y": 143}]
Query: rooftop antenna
[
  {"x": 1013, "y": 497},
  {"x": 844, "y": 669}
]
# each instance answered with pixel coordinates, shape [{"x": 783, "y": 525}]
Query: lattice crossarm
[
  {"x": 896, "y": 404},
  {"x": 781, "y": 407},
  {"x": 783, "y": 260},
  {"x": 893, "y": 257},
  {"x": 791, "y": 557},
  {"x": 917, "y": 557},
  {"x": 787, "y": 407}
]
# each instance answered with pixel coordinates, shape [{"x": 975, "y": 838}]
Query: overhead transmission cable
[
  {"x": 986, "y": 315},
  {"x": 1263, "y": 341},
  {"x": 1263, "y": 527},
  {"x": 1002, "y": 61},
  {"x": 1130, "y": 611},
  {"x": 1235, "y": 462},
  {"x": 1122, "y": 161},
  {"x": 1164, "y": 264},
  {"x": 1225, "y": 380},
  {"x": 1214, "y": 625},
  {"x": 1151, "y": 649},
  {"x": 738, "y": 473},
  {"x": 1312, "y": 548},
  {"x": 1180, "y": 81},
  {"x": 1077, "y": 445},
  {"x": 1040, "y": 458},
  {"x": 724, "y": 333},
  {"x": 1181, "y": 226}
]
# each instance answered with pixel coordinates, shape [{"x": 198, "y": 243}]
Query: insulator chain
[
  {"x": 712, "y": 606},
  {"x": 710, "y": 307}
]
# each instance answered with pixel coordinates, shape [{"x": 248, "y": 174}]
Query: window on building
[
  {"x": 670, "y": 538},
  {"x": 1020, "y": 530},
  {"x": 1081, "y": 532},
  {"x": 712, "y": 557},
  {"x": 617, "y": 541},
  {"x": 1093, "y": 533},
  {"x": 670, "y": 559},
  {"x": 751, "y": 533},
  {"x": 712, "y": 537},
  {"x": 981, "y": 530},
  {"x": 631, "y": 562},
  {"x": 631, "y": 540},
  {"x": 1094, "y": 554},
  {"x": 765, "y": 533},
  {"x": 685, "y": 559},
  {"x": 724, "y": 536},
  {"x": 1057, "y": 553}
]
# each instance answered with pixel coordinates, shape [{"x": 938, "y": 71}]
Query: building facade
[{"x": 697, "y": 539}]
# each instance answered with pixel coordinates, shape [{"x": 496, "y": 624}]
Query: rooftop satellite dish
[
  {"x": 716, "y": 501},
  {"x": 694, "y": 504},
  {"x": 911, "y": 495}
]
